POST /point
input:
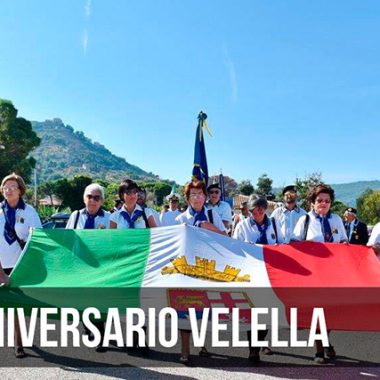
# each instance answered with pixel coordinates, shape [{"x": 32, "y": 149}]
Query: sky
[{"x": 289, "y": 87}]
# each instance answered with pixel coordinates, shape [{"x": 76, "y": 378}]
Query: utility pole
[{"x": 35, "y": 187}]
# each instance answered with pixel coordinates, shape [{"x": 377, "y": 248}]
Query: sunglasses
[
  {"x": 323, "y": 201},
  {"x": 96, "y": 198},
  {"x": 214, "y": 192},
  {"x": 131, "y": 192}
]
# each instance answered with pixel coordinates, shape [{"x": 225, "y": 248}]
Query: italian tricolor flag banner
[{"x": 183, "y": 267}]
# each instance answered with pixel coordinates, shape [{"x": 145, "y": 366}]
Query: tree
[
  {"x": 230, "y": 185},
  {"x": 264, "y": 185},
  {"x": 369, "y": 203},
  {"x": 111, "y": 193},
  {"x": 303, "y": 186},
  {"x": 161, "y": 189},
  {"x": 17, "y": 140},
  {"x": 246, "y": 187},
  {"x": 360, "y": 203},
  {"x": 338, "y": 207},
  {"x": 47, "y": 189},
  {"x": 71, "y": 191},
  {"x": 156, "y": 191}
]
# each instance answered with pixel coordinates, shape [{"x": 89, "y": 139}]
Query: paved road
[{"x": 358, "y": 358}]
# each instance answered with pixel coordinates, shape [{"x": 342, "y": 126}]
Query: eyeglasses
[
  {"x": 213, "y": 192},
  {"x": 323, "y": 201},
  {"x": 173, "y": 200},
  {"x": 131, "y": 192},
  {"x": 96, "y": 198},
  {"x": 196, "y": 195},
  {"x": 10, "y": 188}
]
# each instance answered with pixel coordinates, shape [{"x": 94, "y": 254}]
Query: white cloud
[
  {"x": 87, "y": 14},
  {"x": 232, "y": 74},
  {"x": 85, "y": 42},
  {"x": 87, "y": 8}
]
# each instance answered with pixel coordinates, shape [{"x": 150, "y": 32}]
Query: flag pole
[{"x": 200, "y": 169}]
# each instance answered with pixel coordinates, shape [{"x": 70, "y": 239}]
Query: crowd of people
[{"x": 252, "y": 224}]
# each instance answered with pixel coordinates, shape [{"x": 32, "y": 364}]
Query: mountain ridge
[{"x": 64, "y": 152}]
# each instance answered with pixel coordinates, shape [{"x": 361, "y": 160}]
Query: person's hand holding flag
[{"x": 4, "y": 278}]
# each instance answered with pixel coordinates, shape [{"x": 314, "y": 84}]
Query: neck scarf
[
  {"x": 9, "y": 227},
  {"x": 325, "y": 227},
  {"x": 199, "y": 217},
  {"x": 262, "y": 229},
  {"x": 131, "y": 220},
  {"x": 90, "y": 221}
]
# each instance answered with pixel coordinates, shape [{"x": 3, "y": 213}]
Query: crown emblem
[{"x": 205, "y": 270}]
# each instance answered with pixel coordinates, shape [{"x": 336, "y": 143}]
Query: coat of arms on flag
[
  {"x": 205, "y": 269},
  {"x": 183, "y": 299}
]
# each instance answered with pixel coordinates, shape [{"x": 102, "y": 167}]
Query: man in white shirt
[
  {"x": 222, "y": 208},
  {"x": 288, "y": 213},
  {"x": 168, "y": 218},
  {"x": 141, "y": 201}
]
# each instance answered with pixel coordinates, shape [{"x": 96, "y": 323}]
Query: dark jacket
[{"x": 359, "y": 233}]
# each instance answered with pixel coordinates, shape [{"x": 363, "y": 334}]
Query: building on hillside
[{"x": 50, "y": 201}]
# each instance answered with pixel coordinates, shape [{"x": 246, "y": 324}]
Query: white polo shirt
[
  {"x": 102, "y": 220},
  {"x": 26, "y": 219},
  {"x": 287, "y": 219},
  {"x": 375, "y": 236},
  {"x": 187, "y": 218},
  {"x": 314, "y": 232},
  {"x": 223, "y": 209},
  {"x": 248, "y": 232},
  {"x": 117, "y": 218},
  {"x": 155, "y": 214},
  {"x": 168, "y": 218}
]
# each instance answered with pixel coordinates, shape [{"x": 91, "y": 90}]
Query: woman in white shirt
[
  {"x": 258, "y": 228},
  {"x": 198, "y": 216},
  {"x": 321, "y": 225},
  {"x": 131, "y": 215},
  {"x": 91, "y": 217},
  {"x": 16, "y": 220}
]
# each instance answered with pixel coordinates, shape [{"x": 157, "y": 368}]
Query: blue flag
[
  {"x": 200, "y": 170},
  {"x": 222, "y": 187}
]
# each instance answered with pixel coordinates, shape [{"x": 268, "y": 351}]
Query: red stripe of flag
[{"x": 343, "y": 279}]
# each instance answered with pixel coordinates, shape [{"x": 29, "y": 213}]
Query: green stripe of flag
[{"x": 63, "y": 267}]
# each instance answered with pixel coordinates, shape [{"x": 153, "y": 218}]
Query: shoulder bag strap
[
  {"x": 274, "y": 228},
  {"x": 76, "y": 220},
  {"x": 306, "y": 226},
  {"x": 145, "y": 219},
  {"x": 210, "y": 216}
]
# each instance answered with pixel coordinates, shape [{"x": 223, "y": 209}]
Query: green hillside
[
  {"x": 64, "y": 152},
  {"x": 349, "y": 192}
]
